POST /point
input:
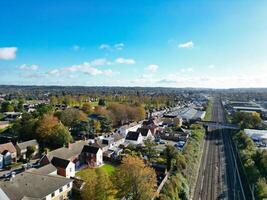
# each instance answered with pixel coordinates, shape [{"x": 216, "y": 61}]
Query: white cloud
[
  {"x": 104, "y": 46},
  {"x": 119, "y": 46},
  {"x": 187, "y": 45},
  {"x": 8, "y": 53},
  {"x": 76, "y": 47},
  {"x": 187, "y": 70},
  {"x": 152, "y": 68},
  {"x": 100, "y": 62},
  {"x": 85, "y": 68},
  {"x": 29, "y": 67},
  {"x": 125, "y": 61},
  {"x": 211, "y": 66}
]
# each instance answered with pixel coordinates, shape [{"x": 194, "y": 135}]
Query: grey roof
[
  {"x": 67, "y": 153},
  {"x": 143, "y": 131},
  {"x": 132, "y": 135},
  {"x": 188, "y": 113},
  {"x": 90, "y": 149},
  {"x": 47, "y": 169},
  {"x": 32, "y": 185},
  {"x": 24, "y": 145},
  {"x": 59, "y": 162}
]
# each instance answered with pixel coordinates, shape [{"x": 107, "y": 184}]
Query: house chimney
[{"x": 68, "y": 145}]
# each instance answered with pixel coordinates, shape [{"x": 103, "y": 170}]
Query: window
[
  {"x": 70, "y": 169},
  {"x": 53, "y": 194},
  {"x": 68, "y": 185},
  {"x": 61, "y": 189}
]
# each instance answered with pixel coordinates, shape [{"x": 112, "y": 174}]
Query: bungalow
[
  {"x": 64, "y": 167},
  {"x": 22, "y": 148},
  {"x": 92, "y": 156},
  {"x": 9, "y": 154},
  {"x": 134, "y": 137},
  {"x": 146, "y": 133},
  {"x": 30, "y": 185}
]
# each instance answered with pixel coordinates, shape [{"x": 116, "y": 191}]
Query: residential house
[
  {"x": 48, "y": 169},
  {"x": 134, "y": 137},
  {"x": 64, "y": 167},
  {"x": 179, "y": 134},
  {"x": 9, "y": 154},
  {"x": 22, "y": 148},
  {"x": 172, "y": 120},
  {"x": 146, "y": 133},
  {"x": 123, "y": 130},
  {"x": 71, "y": 153},
  {"x": 151, "y": 124},
  {"x": 114, "y": 140},
  {"x": 30, "y": 185},
  {"x": 10, "y": 116},
  {"x": 92, "y": 156}
]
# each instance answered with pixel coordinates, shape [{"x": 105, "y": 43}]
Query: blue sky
[{"x": 168, "y": 43}]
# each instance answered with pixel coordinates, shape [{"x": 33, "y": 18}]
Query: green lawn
[
  {"x": 106, "y": 167},
  {"x": 110, "y": 169}
]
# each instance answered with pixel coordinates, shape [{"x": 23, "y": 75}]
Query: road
[{"x": 218, "y": 176}]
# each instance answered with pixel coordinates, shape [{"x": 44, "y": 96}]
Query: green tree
[
  {"x": 170, "y": 153},
  {"x": 60, "y": 136},
  {"x": 87, "y": 108},
  {"x": 105, "y": 125},
  {"x": 30, "y": 151},
  {"x": 261, "y": 188},
  {"x": 98, "y": 185},
  {"x": 69, "y": 116},
  {"x": 102, "y": 102},
  {"x": 7, "y": 107}
]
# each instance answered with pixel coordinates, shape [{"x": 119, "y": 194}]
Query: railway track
[{"x": 218, "y": 177}]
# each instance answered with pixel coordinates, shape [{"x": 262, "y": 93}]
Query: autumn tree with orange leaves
[{"x": 134, "y": 179}]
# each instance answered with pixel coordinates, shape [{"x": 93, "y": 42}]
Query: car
[{"x": 162, "y": 142}]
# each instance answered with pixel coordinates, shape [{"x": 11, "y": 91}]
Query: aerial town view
[{"x": 133, "y": 100}]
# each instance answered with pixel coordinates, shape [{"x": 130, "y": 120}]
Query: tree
[
  {"x": 97, "y": 126},
  {"x": 44, "y": 109},
  {"x": 247, "y": 120},
  {"x": 104, "y": 188},
  {"x": 134, "y": 180},
  {"x": 45, "y": 127},
  {"x": 102, "y": 102},
  {"x": 149, "y": 149},
  {"x": 175, "y": 189},
  {"x": 61, "y": 136},
  {"x": 87, "y": 108},
  {"x": 19, "y": 107},
  {"x": 7, "y": 107},
  {"x": 97, "y": 185},
  {"x": 30, "y": 151},
  {"x": 261, "y": 188},
  {"x": 105, "y": 125},
  {"x": 170, "y": 153},
  {"x": 69, "y": 116},
  {"x": 53, "y": 100}
]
